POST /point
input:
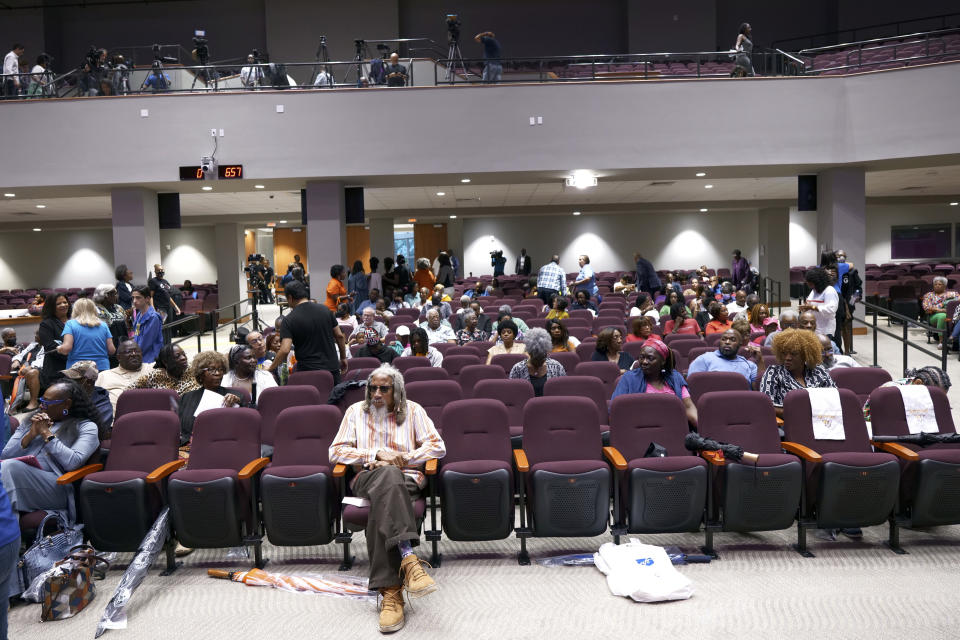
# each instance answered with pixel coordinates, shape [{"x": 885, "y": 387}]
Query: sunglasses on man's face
[{"x": 382, "y": 388}]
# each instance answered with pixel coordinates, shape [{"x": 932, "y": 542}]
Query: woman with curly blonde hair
[{"x": 799, "y": 359}]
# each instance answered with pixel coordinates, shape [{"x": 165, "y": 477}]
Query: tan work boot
[
  {"x": 415, "y": 579},
  {"x": 391, "y": 609}
]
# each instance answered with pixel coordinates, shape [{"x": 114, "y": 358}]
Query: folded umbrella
[{"x": 335, "y": 586}]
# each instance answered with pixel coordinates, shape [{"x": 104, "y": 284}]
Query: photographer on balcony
[
  {"x": 395, "y": 72},
  {"x": 492, "y": 69}
]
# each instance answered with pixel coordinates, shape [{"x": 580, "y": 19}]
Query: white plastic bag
[{"x": 642, "y": 572}]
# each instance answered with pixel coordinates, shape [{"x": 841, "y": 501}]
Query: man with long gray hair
[{"x": 387, "y": 439}]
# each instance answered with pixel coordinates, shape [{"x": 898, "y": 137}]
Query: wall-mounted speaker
[
  {"x": 807, "y": 193},
  {"x": 168, "y": 210}
]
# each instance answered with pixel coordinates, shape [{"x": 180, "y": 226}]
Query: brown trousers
[{"x": 391, "y": 520}]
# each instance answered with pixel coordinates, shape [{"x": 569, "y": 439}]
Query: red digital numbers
[
  {"x": 231, "y": 171},
  {"x": 199, "y": 173}
]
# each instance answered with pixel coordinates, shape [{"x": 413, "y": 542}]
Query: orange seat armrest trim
[
  {"x": 520, "y": 459},
  {"x": 165, "y": 470},
  {"x": 252, "y": 468},
  {"x": 72, "y": 476},
  {"x": 431, "y": 467},
  {"x": 615, "y": 458},
  {"x": 339, "y": 470},
  {"x": 802, "y": 451},
  {"x": 897, "y": 449}
]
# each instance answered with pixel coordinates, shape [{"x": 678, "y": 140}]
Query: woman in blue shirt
[
  {"x": 586, "y": 280},
  {"x": 86, "y": 337}
]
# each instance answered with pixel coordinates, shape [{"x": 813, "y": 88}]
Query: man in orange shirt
[{"x": 336, "y": 292}]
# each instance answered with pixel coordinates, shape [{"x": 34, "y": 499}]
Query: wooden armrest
[
  {"x": 896, "y": 449},
  {"x": 165, "y": 470},
  {"x": 72, "y": 476},
  {"x": 615, "y": 458},
  {"x": 339, "y": 470},
  {"x": 779, "y": 421},
  {"x": 714, "y": 457},
  {"x": 431, "y": 467},
  {"x": 520, "y": 459},
  {"x": 806, "y": 453},
  {"x": 253, "y": 467}
]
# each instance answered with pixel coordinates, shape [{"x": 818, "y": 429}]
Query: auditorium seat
[
  {"x": 583, "y": 387},
  {"x": 362, "y": 363},
  {"x": 607, "y": 372},
  {"x": 514, "y": 395},
  {"x": 454, "y": 364},
  {"x": 274, "y": 400},
  {"x": 422, "y": 374},
  {"x": 133, "y": 400},
  {"x": 506, "y": 360},
  {"x": 860, "y": 380},
  {"x": 403, "y": 363},
  {"x": 470, "y": 375},
  {"x": 707, "y": 381},
  {"x": 567, "y": 359},
  {"x": 321, "y": 380},
  {"x": 433, "y": 396}
]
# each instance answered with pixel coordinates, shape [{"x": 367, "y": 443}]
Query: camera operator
[
  {"x": 120, "y": 76},
  {"x": 257, "y": 277},
  {"x": 492, "y": 69},
  {"x": 396, "y": 72},
  {"x": 497, "y": 261},
  {"x": 158, "y": 80},
  {"x": 88, "y": 84},
  {"x": 251, "y": 76}
]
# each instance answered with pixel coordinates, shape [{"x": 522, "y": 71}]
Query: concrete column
[
  {"x": 455, "y": 242},
  {"x": 381, "y": 240},
  {"x": 774, "y": 249},
  {"x": 842, "y": 213},
  {"x": 326, "y": 228},
  {"x": 136, "y": 232},
  {"x": 232, "y": 285}
]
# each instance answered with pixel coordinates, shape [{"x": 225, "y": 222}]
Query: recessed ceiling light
[
  {"x": 464, "y": 180},
  {"x": 37, "y": 229},
  {"x": 453, "y": 217},
  {"x": 258, "y": 186},
  {"x": 708, "y": 186},
  {"x": 207, "y": 188},
  {"x": 441, "y": 193},
  {"x": 576, "y": 213},
  {"x": 700, "y": 174},
  {"x": 283, "y": 222},
  {"x": 9, "y": 195},
  {"x": 953, "y": 204},
  {"x": 703, "y": 210},
  {"x": 271, "y": 224},
  {"x": 581, "y": 179},
  {"x": 411, "y": 219},
  {"x": 41, "y": 206}
]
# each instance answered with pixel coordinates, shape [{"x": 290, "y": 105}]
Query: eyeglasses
[
  {"x": 48, "y": 403},
  {"x": 382, "y": 388},
  {"x": 213, "y": 370}
]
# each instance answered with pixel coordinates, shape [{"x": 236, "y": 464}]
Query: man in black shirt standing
[
  {"x": 396, "y": 72},
  {"x": 311, "y": 330},
  {"x": 160, "y": 289}
]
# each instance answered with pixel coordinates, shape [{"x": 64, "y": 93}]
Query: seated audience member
[
  {"x": 582, "y": 301},
  {"x": 345, "y": 316},
  {"x": 721, "y": 319},
  {"x": 188, "y": 290},
  {"x": 610, "y": 348},
  {"x": 398, "y": 302},
  {"x": 423, "y": 276},
  {"x": 808, "y": 322},
  {"x": 559, "y": 309},
  {"x": 752, "y": 300},
  {"x": 799, "y": 366},
  {"x": 670, "y": 283},
  {"x": 483, "y": 320},
  {"x": 700, "y": 309},
  {"x": 244, "y": 371},
  {"x": 391, "y": 478},
  {"x": 35, "y": 306},
  {"x": 758, "y": 314},
  {"x": 130, "y": 367},
  {"x": 85, "y": 374},
  {"x": 739, "y": 303},
  {"x": 727, "y": 358},
  {"x": 505, "y": 310},
  {"x": 27, "y": 365},
  {"x": 436, "y": 302},
  {"x": 111, "y": 313},
  {"x": 402, "y": 340},
  {"x": 422, "y": 298},
  {"x": 420, "y": 346},
  {"x": 470, "y": 332},
  {"x": 435, "y": 329},
  {"x": 624, "y": 285},
  {"x": 679, "y": 322},
  {"x": 823, "y": 300},
  {"x": 273, "y": 342},
  {"x": 955, "y": 333},
  {"x": 693, "y": 288},
  {"x": 507, "y": 334},
  {"x": 655, "y": 373},
  {"x": 927, "y": 376},
  {"x": 371, "y": 301},
  {"x": 742, "y": 326},
  {"x": 8, "y": 338},
  {"x": 367, "y": 325},
  {"x": 209, "y": 368},
  {"x": 62, "y": 436},
  {"x": 641, "y": 329},
  {"x": 831, "y": 359},
  {"x": 258, "y": 344},
  {"x": 477, "y": 291},
  {"x": 504, "y": 317},
  {"x": 539, "y": 366},
  {"x": 672, "y": 298},
  {"x": 86, "y": 337},
  {"x": 714, "y": 286},
  {"x": 727, "y": 294},
  {"x": 374, "y": 348},
  {"x": 169, "y": 372},
  {"x": 494, "y": 288},
  {"x": 383, "y": 314},
  {"x": 769, "y": 328},
  {"x": 147, "y": 324},
  {"x": 56, "y": 313},
  {"x": 440, "y": 290},
  {"x": 456, "y": 320},
  {"x": 560, "y": 337},
  {"x": 644, "y": 306},
  {"x": 935, "y": 303},
  {"x": 788, "y": 320}
]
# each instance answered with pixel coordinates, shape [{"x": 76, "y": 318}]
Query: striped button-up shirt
[
  {"x": 551, "y": 276},
  {"x": 363, "y": 434}
]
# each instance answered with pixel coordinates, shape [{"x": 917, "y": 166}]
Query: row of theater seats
[{"x": 563, "y": 476}]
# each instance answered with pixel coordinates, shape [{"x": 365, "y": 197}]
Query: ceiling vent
[
  {"x": 23, "y": 213},
  {"x": 662, "y": 183},
  {"x": 911, "y": 188}
]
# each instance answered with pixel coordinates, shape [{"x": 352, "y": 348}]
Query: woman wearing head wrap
[{"x": 655, "y": 373}]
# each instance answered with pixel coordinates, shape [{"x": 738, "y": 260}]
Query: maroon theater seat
[
  {"x": 422, "y": 374},
  {"x": 707, "y": 381},
  {"x": 470, "y": 375},
  {"x": 860, "y": 380},
  {"x": 321, "y": 380},
  {"x": 433, "y": 396},
  {"x": 134, "y": 400},
  {"x": 514, "y": 395},
  {"x": 274, "y": 400}
]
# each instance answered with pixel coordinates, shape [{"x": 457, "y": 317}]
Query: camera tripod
[
  {"x": 206, "y": 72},
  {"x": 322, "y": 67},
  {"x": 359, "y": 57},
  {"x": 453, "y": 57}
]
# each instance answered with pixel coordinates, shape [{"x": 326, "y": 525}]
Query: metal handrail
[
  {"x": 942, "y": 17},
  {"x": 861, "y": 43},
  {"x": 768, "y": 288},
  {"x": 905, "y": 338},
  {"x": 795, "y": 59},
  {"x": 167, "y": 330}
]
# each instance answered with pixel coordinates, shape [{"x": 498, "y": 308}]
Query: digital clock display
[
  {"x": 191, "y": 173},
  {"x": 230, "y": 171}
]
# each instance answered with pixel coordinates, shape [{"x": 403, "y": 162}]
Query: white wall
[
  {"x": 803, "y": 238},
  {"x": 84, "y": 257},
  {"x": 881, "y": 217},
  {"x": 669, "y": 240}
]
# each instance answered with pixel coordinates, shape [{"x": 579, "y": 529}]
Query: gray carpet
[{"x": 758, "y": 587}]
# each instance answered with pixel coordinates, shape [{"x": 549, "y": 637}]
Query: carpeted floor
[{"x": 758, "y": 588}]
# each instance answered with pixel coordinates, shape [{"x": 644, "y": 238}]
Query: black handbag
[{"x": 46, "y": 551}]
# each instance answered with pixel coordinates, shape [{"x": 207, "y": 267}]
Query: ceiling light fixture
[
  {"x": 701, "y": 174},
  {"x": 703, "y": 210},
  {"x": 37, "y": 229},
  {"x": 41, "y": 206},
  {"x": 271, "y": 224},
  {"x": 708, "y": 186},
  {"x": 581, "y": 179},
  {"x": 411, "y": 219},
  {"x": 453, "y": 217},
  {"x": 441, "y": 193},
  {"x": 464, "y": 180},
  {"x": 258, "y": 186},
  {"x": 283, "y": 222},
  {"x": 576, "y": 213},
  {"x": 953, "y": 204},
  {"x": 9, "y": 195},
  {"x": 207, "y": 188}
]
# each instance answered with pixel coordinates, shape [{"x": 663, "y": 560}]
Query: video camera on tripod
[
  {"x": 453, "y": 28},
  {"x": 159, "y": 57},
  {"x": 200, "y": 48}
]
